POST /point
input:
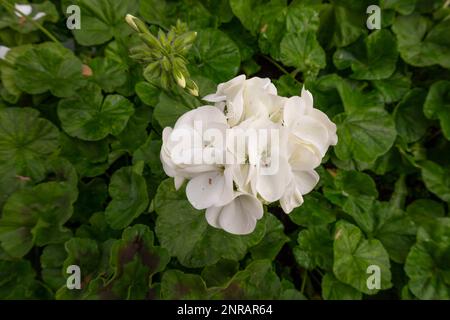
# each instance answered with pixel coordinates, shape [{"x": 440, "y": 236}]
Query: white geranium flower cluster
[{"x": 251, "y": 147}]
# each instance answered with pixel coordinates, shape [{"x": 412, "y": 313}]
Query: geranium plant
[{"x": 229, "y": 149}]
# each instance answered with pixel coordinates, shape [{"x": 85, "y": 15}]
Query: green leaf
[
  {"x": 92, "y": 117},
  {"x": 36, "y": 216},
  {"x": 341, "y": 23},
  {"x": 428, "y": 263},
  {"x": 410, "y": 121},
  {"x": 135, "y": 132},
  {"x": 315, "y": 248},
  {"x": 378, "y": 60},
  {"x": 18, "y": 281},
  {"x": 353, "y": 255},
  {"x": 101, "y": 20},
  {"x": 177, "y": 285},
  {"x": 419, "y": 45},
  {"x": 185, "y": 233},
  {"x": 301, "y": 18},
  {"x": 423, "y": 211},
  {"x": 394, "y": 228},
  {"x": 353, "y": 98},
  {"x": 169, "y": 109},
  {"x": 97, "y": 228},
  {"x": 316, "y": 210},
  {"x": 333, "y": 289},
  {"x": 437, "y": 105},
  {"x": 91, "y": 198},
  {"x": 88, "y": 157},
  {"x": 215, "y": 55},
  {"x": 52, "y": 259},
  {"x": 393, "y": 88},
  {"x": 128, "y": 191},
  {"x": 7, "y": 72},
  {"x": 273, "y": 240},
  {"x": 258, "y": 281},
  {"x": 49, "y": 67},
  {"x": 25, "y": 142},
  {"x": 219, "y": 274},
  {"x": 302, "y": 51},
  {"x": 107, "y": 73},
  {"x": 437, "y": 179},
  {"x": 265, "y": 19},
  {"x": 364, "y": 136},
  {"x": 166, "y": 13},
  {"x": 404, "y": 7},
  {"x": 148, "y": 93},
  {"x": 287, "y": 86},
  {"x": 134, "y": 259},
  {"x": 355, "y": 192},
  {"x": 84, "y": 253}
]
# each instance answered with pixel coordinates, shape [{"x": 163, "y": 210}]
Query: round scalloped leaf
[
  {"x": 353, "y": 255},
  {"x": 25, "y": 142},
  {"x": 49, "y": 67},
  {"x": 186, "y": 234},
  {"x": 90, "y": 116}
]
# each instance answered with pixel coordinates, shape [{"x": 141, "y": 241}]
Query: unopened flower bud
[
  {"x": 180, "y": 79},
  {"x": 192, "y": 87},
  {"x": 150, "y": 40},
  {"x": 130, "y": 20}
]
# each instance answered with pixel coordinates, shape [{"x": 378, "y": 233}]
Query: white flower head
[
  {"x": 26, "y": 10},
  {"x": 3, "y": 51},
  {"x": 251, "y": 147}
]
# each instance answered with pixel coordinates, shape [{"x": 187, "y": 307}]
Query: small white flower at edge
[
  {"x": 26, "y": 9},
  {"x": 3, "y": 51}
]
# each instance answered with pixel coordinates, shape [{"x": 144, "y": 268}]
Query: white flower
[
  {"x": 240, "y": 98},
  {"x": 180, "y": 150},
  {"x": 237, "y": 217},
  {"x": 3, "y": 51},
  {"x": 267, "y": 170},
  {"x": 26, "y": 9},
  {"x": 308, "y": 124},
  {"x": 251, "y": 147}
]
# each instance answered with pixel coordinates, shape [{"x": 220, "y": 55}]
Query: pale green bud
[
  {"x": 192, "y": 87},
  {"x": 180, "y": 79}
]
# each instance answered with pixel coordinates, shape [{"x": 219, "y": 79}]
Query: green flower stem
[
  {"x": 305, "y": 278},
  {"x": 282, "y": 69},
  {"x": 13, "y": 10}
]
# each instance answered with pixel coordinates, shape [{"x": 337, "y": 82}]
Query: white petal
[
  {"x": 305, "y": 181},
  {"x": 210, "y": 189},
  {"x": 291, "y": 199},
  {"x": 240, "y": 215},
  {"x": 3, "y": 51},
  {"x": 212, "y": 216},
  {"x": 323, "y": 118},
  {"x": 294, "y": 108},
  {"x": 307, "y": 96},
  {"x": 262, "y": 83},
  {"x": 202, "y": 114},
  {"x": 178, "y": 180},
  {"x": 214, "y": 97},
  {"x": 271, "y": 187},
  {"x": 310, "y": 130},
  {"x": 39, "y": 15},
  {"x": 303, "y": 156},
  {"x": 24, "y": 8}
]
